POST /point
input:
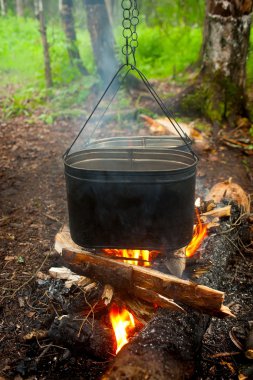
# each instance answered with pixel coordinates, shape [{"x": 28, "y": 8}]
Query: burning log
[
  {"x": 127, "y": 277},
  {"x": 156, "y": 299},
  {"x": 168, "y": 346},
  {"x": 148, "y": 285},
  {"x": 165, "y": 349}
]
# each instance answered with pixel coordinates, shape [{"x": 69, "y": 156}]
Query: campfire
[
  {"x": 142, "y": 257},
  {"x": 199, "y": 234},
  {"x": 145, "y": 257},
  {"x": 123, "y": 324},
  {"x": 129, "y": 307}
]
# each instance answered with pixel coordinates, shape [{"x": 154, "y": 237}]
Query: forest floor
[{"x": 33, "y": 209}]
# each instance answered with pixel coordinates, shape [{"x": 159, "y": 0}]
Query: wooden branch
[
  {"x": 107, "y": 294},
  {"x": 219, "y": 212},
  {"x": 156, "y": 299},
  {"x": 126, "y": 277}
]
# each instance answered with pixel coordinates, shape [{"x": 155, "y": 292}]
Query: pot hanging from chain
[{"x": 131, "y": 192}]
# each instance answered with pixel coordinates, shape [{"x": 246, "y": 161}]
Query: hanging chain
[{"x": 130, "y": 22}]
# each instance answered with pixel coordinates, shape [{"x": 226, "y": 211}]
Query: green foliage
[
  {"x": 22, "y": 66},
  {"x": 22, "y": 102},
  {"x": 250, "y": 61},
  {"x": 173, "y": 12},
  {"x": 22, "y": 56},
  {"x": 20, "y": 48},
  {"x": 170, "y": 38},
  {"x": 167, "y": 53}
]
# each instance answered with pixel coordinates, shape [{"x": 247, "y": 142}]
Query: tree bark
[
  {"x": 225, "y": 52},
  {"x": 66, "y": 7},
  {"x": 101, "y": 38},
  {"x": 19, "y": 8},
  {"x": 219, "y": 92},
  {"x": 3, "y": 7},
  {"x": 109, "y": 7},
  {"x": 38, "y": 6}
]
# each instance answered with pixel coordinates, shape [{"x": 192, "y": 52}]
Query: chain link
[{"x": 129, "y": 23}]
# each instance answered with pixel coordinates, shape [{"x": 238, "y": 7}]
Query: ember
[
  {"x": 200, "y": 232},
  {"x": 123, "y": 325},
  {"x": 141, "y": 257}
]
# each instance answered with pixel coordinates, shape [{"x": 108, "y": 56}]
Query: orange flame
[
  {"x": 133, "y": 255},
  {"x": 199, "y": 233},
  {"x": 123, "y": 324}
]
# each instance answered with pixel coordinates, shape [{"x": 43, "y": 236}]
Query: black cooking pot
[
  {"x": 131, "y": 198},
  {"x": 132, "y": 142}
]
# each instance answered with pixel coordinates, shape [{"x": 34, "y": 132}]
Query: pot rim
[{"x": 169, "y": 155}]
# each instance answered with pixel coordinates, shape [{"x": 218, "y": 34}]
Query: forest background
[{"x": 170, "y": 40}]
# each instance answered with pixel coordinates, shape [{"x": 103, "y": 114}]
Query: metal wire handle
[
  {"x": 129, "y": 23},
  {"x": 166, "y": 111},
  {"x": 154, "y": 94},
  {"x": 115, "y": 77}
]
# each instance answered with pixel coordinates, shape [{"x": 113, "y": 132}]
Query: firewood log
[
  {"x": 168, "y": 346},
  {"x": 232, "y": 191},
  {"x": 83, "y": 334},
  {"x": 126, "y": 277}
]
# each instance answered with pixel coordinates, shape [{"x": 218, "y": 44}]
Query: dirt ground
[{"x": 33, "y": 208}]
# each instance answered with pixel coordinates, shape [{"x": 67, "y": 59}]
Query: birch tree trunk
[
  {"x": 19, "y": 8},
  {"x": 39, "y": 13},
  {"x": 3, "y": 7},
  {"x": 219, "y": 93},
  {"x": 101, "y": 38},
  {"x": 109, "y": 7},
  {"x": 66, "y": 8}
]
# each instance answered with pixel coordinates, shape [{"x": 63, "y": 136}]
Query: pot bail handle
[
  {"x": 165, "y": 110},
  {"x": 116, "y": 76}
]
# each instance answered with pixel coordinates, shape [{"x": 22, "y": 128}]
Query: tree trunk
[
  {"x": 19, "y": 8},
  {"x": 38, "y": 6},
  {"x": 3, "y": 7},
  {"x": 219, "y": 92},
  {"x": 66, "y": 7},
  {"x": 101, "y": 38},
  {"x": 109, "y": 7},
  {"x": 225, "y": 52}
]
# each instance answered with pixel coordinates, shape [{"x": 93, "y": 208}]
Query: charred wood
[
  {"x": 165, "y": 349},
  {"x": 249, "y": 344},
  {"x": 83, "y": 334}
]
